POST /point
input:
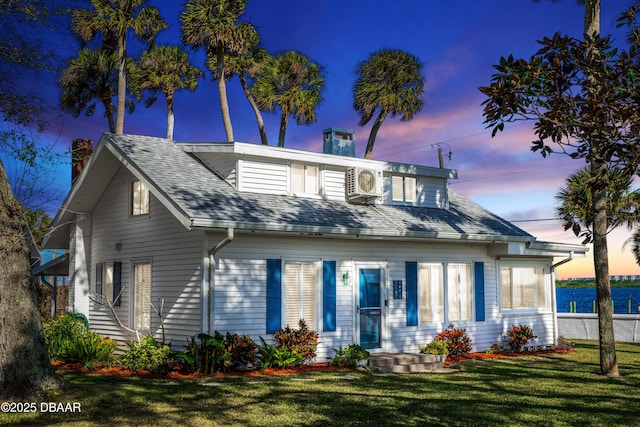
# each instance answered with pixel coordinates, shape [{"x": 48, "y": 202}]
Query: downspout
[
  {"x": 553, "y": 294},
  {"x": 208, "y": 288}
]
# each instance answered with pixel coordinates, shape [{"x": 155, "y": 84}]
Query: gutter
[
  {"x": 553, "y": 294},
  {"x": 207, "y": 288}
]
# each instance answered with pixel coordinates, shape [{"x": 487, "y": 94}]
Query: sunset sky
[{"x": 457, "y": 41}]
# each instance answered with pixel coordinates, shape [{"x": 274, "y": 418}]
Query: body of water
[{"x": 584, "y": 298}]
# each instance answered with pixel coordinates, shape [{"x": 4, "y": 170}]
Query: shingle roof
[{"x": 205, "y": 199}]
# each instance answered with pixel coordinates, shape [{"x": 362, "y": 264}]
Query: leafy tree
[
  {"x": 390, "y": 81},
  {"x": 114, "y": 20},
  {"x": 583, "y": 97},
  {"x": 166, "y": 69},
  {"x": 215, "y": 25},
  {"x": 88, "y": 79},
  {"x": 248, "y": 66},
  {"x": 294, "y": 83},
  {"x": 24, "y": 364}
]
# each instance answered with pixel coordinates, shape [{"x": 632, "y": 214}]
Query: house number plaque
[{"x": 397, "y": 289}]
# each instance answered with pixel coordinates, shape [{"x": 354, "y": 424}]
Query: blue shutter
[
  {"x": 99, "y": 276},
  {"x": 274, "y": 295},
  {"x": 411, "y": 272},
  {"x": 117, "y": 283},
  {"x": 329, "y": 295},
  {"x": 479, "y": 284}
]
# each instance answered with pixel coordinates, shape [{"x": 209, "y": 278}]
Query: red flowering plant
[
  {"x": 457, "y": 340},
  {"x": 302, "y": 341},
  {"x": 518, "y": 336}
]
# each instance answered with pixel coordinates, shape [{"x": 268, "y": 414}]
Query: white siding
[
  {"x": 174, "y": 253},
  {"x": 262, "y": 177},
  {"x": 334, "y": 184},
  {"x": 431, "y": 192},
  {"x": 240, "y": 289}
]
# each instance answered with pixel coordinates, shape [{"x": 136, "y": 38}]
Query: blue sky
[{"x": 458, "y": 43}]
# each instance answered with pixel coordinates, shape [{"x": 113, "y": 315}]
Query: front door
[{"x": 370, "y": 307}]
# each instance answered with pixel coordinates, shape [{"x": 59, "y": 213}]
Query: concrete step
[{"x": 405, "y": 362}]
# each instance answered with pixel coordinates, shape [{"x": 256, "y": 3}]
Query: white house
[{"x": 248, "y": 238}]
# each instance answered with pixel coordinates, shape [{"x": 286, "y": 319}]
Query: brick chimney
[{"x": 81, "y": 150}]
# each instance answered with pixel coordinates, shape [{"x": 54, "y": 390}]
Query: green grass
[
  {"x": 548, "y": 389},
  {"x": 592, "y": 283}
]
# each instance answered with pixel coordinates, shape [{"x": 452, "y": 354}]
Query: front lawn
[{"x": 543, "y": 389}]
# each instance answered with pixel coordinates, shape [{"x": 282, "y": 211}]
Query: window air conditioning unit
[{"x": 363, "y": 184}]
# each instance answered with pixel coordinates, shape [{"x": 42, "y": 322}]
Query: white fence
[{"x": 626, "y": 327}]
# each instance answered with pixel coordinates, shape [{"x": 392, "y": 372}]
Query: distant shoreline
[{"x": 592, "y": 283}]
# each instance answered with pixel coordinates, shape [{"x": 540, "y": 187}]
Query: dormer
[{"x": 330, "y": 175}]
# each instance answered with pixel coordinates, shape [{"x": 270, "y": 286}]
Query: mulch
[{"x": 177, "y": 373}]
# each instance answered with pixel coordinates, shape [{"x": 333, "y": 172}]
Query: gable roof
[{"x": 199, "y": 198}]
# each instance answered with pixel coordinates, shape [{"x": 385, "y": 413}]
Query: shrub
[
  {"x": 207, "y": 356},
  {"x": 434, "y": 347},
  {"x": 518, "y": 337},
  {"x": 69, "y": 340},
  {"x": 457, "y": 340},
  {"x": 59, "y": 331},
  {"x": 302, "y": 341},
  {"x": 89, "y": 349},
  {"x": 148, "y": 355},
  {"x": 242, "y": 351},
  {"x": 350, "y": 355},
  {"x": 271, "y": 356},
  {"x": 564, "y": 344}
]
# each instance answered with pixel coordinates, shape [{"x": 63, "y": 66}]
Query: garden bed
[{"x": 177, "y": 373}]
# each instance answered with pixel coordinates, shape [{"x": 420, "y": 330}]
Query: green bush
[
  {"x": 207, "y": 355},
  {"x": 302, "y": 341},
  {"x": 69, "y": 340},
  {"x": 519, "y": 336},
  {"x": 350, "y": 355},
  {"x": 148, "y": 355},
  {"x": 59, "y": 331},
  {"x": 434, "y": 347},
  {"x": 271, "y": 356},
  {"x": 457, "y": 340}
]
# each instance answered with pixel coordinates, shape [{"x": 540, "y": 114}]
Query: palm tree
[
  {"x": 166, "y": 69},
  {"x": 114, "y": 19},
  {"x": 88, "y": 79},
  {"x": 389, "y": 82},
  {"x": 575, "y": 200},
  {"x": 293, "y": 82},
  {"x": 248, "y": 66},
  {"x": 214, "y": 25}
]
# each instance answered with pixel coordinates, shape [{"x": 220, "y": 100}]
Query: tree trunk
[
  {"x": 122, "y": 84},
  {"x": 256, "y": 110},
  {"x": 284, "y": 119},
  {"x": 24, "y": 363},
  {"x": 170, "y": 116},
  {"x": 108, "y": 111},
  {"x": 608, "y": 362},
  {"x": 222, "y": 91},
  {"x": 374, "y": 133},
  {"x": 592, "y": 17}
]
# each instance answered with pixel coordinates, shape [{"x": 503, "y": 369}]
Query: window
[
  {"x": 523, "y": 288},
  {"x": 108, "y": 282},
  {"x": 432, "y": 292},
  {"x": 459, "y": 292},
  {"x": 139, "y": 199},
  {"x": 304, "y": 179},
  {"x": 300, "y": 293},
  {"x": 142, "y": 297},
  {"x": 403, "y": 189}
]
